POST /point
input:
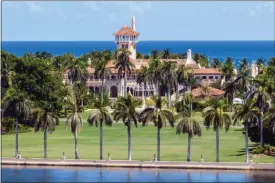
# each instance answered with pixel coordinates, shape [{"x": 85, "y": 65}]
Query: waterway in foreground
[{"x": 87, "y": 174}]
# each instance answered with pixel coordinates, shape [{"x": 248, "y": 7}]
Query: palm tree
[
  {"x": 76, "y": 124},
  {"x": 16, "y": 105},
  {"x": 271, "y": 61},
  {"x": 155, "y": 54},
  {"x": 227, "y": 69},
  {"x": 230, "y": 89},
  {"x": 169, "y": 78},
  {"x": 215, "y": 116},
  {"x": 7, "y": 76},
  {"x": 124, "y": 65},
  {"x": 143, "y": 77},
  {"x": 270, "y": 119},
  {"x": 155, "y": 66},
  {"x": 159, "y": 116},
  {"x": 101, "y": 115},
  {"x": 184, "y": 73},
  {"x": 66, "y": 97},
  {"x": 247, "y": 113},
  {"x": 101, "y": 71},
  {"x": 189, "y": 125},
  {"x": 216, "y": 63},
  {"x": 243, "y": 67},
  {"x": 125, "y": 109},
  {"x": 262, "y": 94},
  {"x": 166, "y": 53},
  {"x": 45, "y": 121}
]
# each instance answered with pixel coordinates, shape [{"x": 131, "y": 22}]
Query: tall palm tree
[
  {"x": 184, "y": 73},
  {"x": 271, "y": 61},
  {"x": 125, "y": 109},
  {"x": 216, "y": 63},
  {"x": 124, "y": 65},
  {"x": 230, "y": 90},
  {"x": 143, "y": 77},
  {"x": 166, "y": 53},
  {"x": 76, "y": 124},
  {"x": 77, "y": 74},
  {"x": 101, "y": 71},
  {"x": 66, "y": 97},
  {"x": 160, "y": 116},
  {"x": 155, "y": 54},
  {"x": 262, "y": 94},
  {"x": 243, "y": 67},
  {"x": 227, "y": 69},
  {"x": 270, "y": 119},
  {"x": 155, "y": 66},
  {"x": 187, "y": 124},
  {"x": 46, "y": 121},
  {"x": 101, "y": 115},
  {"x": 247, "y": 113},
  {"x": 16, "y": 105},
  {"x": 215, "y": 116},
  {"x": 169, "y": 78},
  {"x": 7, "y": 76}
]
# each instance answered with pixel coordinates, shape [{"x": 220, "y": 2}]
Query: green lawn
[{"x": 173, "y": 147}]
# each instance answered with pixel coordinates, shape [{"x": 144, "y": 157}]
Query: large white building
[{"x": 127, "y": 37}]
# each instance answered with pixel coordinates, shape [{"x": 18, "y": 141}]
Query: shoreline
[{"x": 140, "y": 164}]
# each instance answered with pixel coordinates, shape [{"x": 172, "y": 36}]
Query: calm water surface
[{"x": 73, "y": 174}]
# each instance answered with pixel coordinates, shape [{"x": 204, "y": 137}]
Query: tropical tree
[
  {"x": 247, "y": 113},
  {"x": 227, "y": 69},
  {"x": 76, "y": 124},
  {"x": 183, "y": 73},
  {"x": 143, "y": 77},
  {"x": 159, "y": 116},
  {"x": 155, "y": 66},
  {"x": 66, "y": 97},
  {"x": 125, "y": 109},
  {"x": 216, "y": 63},
  {"x": 189, "y": 125},
  {"x": 243, "y": 67},
  {"x": 169, "y": 78},
  {"x": 154, "y": 54},
  {"x": 166, "y": 53},
  {"x": 124, "y": 65},
  {"x": 101, "y": 71},
  {"x": 16, "y": 105},
  {"x": 271, "y": 61},
  {"x": 46, "y": 121},
  {"x": 263, "y": 93},
  {"x": 101, "y": 115},
  {"x": 215, "y": 116}
]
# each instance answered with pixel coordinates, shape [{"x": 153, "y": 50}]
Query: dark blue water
[
  {"x": 61, "y": 174},
  {"x": 214, "y": 49}
]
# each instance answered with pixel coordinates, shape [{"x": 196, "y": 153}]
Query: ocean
[{"x": 213, "y": 49}]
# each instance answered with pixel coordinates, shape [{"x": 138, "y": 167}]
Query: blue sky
[{"x": 91, "y": 21}]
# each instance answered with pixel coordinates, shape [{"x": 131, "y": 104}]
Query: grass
[{"x": 173, "y": 147}]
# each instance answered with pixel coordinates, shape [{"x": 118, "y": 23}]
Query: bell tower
[{"x": 127, "y": 37}]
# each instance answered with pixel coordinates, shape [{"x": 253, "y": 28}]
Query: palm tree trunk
[
  {"x": 129, "y": 141},
  {"x": 45, "y": 143},
  {"x": 66, "y": 111},
  {"x": 169, "y": 95},
  {"x": 189, "y": 148},
  {"x": 16, "y": 137},
  {"x": 125, "y": 83},
  {"x": 100, "y": 143},
  {"x": 75, "y": 145},
  {"x": 158, "y": 144},
  {"x": 145, "y": 90},
  {"x": 102, "y": 83},
  {"x": 246, "y": 143},
  {"x": 261, "y": 128},
  {"x": 217, "y": 144}
]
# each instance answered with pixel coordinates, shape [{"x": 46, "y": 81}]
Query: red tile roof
[
  {"x": 126, "y": 31},
  {"x": 213, "y": 92},
  {"x": 206, "y": 71}
]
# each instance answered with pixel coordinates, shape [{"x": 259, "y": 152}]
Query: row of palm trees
[{"x": 164, "y": 76}]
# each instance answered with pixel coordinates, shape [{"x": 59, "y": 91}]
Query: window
[
  {"x": 210, "y": 77},
  {"x": 123, "y": 46},
  {"x": 126, "y": 46},
  {"x": 113, "y": 77},
  {"x": 216, "y": 77},
  {"x": 204, "y": 77}
]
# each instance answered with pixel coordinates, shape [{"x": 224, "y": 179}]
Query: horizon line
[{"x": 115, "y": 41}]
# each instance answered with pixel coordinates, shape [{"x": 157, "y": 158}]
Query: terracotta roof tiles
[
  {"x": 126, "y": 31},
  {"x": 213, "y": 92}
]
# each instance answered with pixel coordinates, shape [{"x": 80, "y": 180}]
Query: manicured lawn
[{"x": 173, "y": 147}]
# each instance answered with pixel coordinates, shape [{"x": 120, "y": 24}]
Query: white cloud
[
  {"x": 92, "y": 5},
  {"x": 34, "y": 7},
  {"x": 60, "y": 12}
]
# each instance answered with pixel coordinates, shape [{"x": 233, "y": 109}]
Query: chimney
[{"x": 133, "y": 23}]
